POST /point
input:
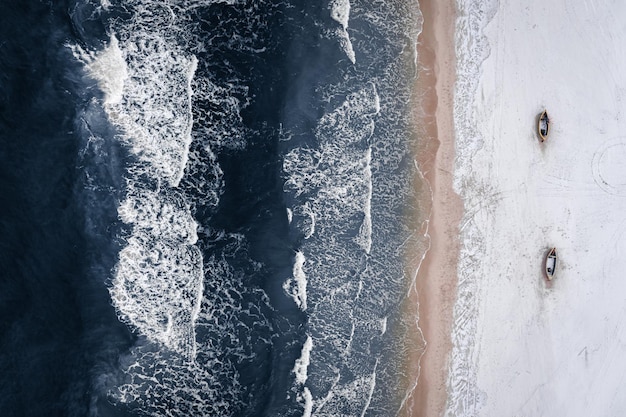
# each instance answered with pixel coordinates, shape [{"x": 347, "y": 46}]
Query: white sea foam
[
  {"x": 210, "y": 383},
  {"x": 193, "y": 317},
  {"x": 108, "y": 68},
  {"x": 149, "y": 98},
  {"x": 302, "y": 363},
  {"x": 334, "y": 183},
  {"x": 351, "y": 177},
  {"x": 304, "y": 220},
  {"x": 157, "y": 289},
  {"x": 371, "y": 392},
  {"x": 364, "y": 238},
  {"x": 164, "y": 217},
  {"x": 353, "y": 121},
  {"x": 345, "y": 212},
  {"x": 340, "y": 12},
  {"x": 307, "y": 399},
  {"x": 224, "y": 128},
  {"x": 158, "y": 280},
  {"x": 160, "y": 297},
  {"x": 351, "y": 398},
  {"x": 339, "y": 171},
  {"x": 296, "y": 286}
]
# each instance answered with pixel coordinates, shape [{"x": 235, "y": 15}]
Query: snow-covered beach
[{"x": 522, "y": 345}]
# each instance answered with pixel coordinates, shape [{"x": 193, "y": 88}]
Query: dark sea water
[{"x": 204, "y": 207}]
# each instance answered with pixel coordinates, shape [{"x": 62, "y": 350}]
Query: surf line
[{"x": 436, "y": 281}]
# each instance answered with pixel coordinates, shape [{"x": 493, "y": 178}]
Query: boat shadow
[{"x": 536, "y": 127}]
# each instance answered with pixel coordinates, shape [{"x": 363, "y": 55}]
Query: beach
[
  {"x": 331, "y": 208},
  {"x": 523, "y": 345},
  {"x": 437, "y": 275}
]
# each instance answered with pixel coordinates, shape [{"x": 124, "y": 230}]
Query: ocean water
[{"x": 206, "y": 207}]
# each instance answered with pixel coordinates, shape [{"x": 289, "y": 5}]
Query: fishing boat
[
  {"x": 543, "y": 126},
  {"x": 550, "y": 264}
]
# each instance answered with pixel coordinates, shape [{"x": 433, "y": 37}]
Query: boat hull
[
  {"x": 543, "y": 125},
  {"x": 550, "y": 264}
]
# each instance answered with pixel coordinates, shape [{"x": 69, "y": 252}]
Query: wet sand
[{"x": 437, "y": 276}]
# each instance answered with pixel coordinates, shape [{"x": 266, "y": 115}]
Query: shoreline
[{"x": 436, "y": 280}]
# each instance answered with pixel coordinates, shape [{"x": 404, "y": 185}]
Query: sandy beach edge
[{"x": 436, "y": 281}]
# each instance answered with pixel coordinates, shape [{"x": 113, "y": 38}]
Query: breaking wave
[
  {"x": 245, "y": 296},
  {"x": 347, "y": 184}
]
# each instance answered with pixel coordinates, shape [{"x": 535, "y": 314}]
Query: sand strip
[{"x": 437, "y": 277}]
